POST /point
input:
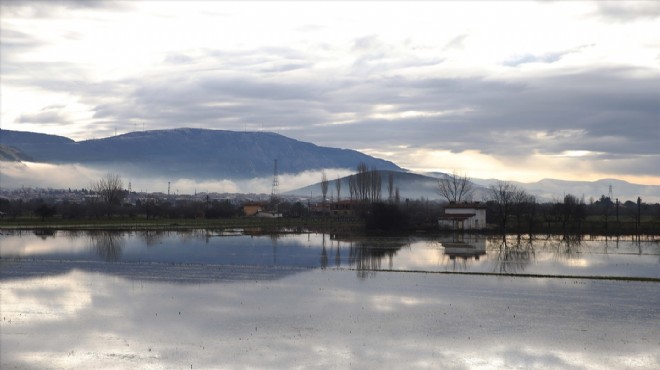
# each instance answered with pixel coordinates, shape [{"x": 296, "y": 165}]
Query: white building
[{"x": 463, "y": 216}]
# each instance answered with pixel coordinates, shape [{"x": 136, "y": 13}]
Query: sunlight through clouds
[{"x": 469, "y": 78}]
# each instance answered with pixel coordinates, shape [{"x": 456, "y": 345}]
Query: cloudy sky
[{"x": 512, "y": 90}]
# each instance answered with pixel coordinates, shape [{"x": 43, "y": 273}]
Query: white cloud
[{"x": 431, "y": 76}]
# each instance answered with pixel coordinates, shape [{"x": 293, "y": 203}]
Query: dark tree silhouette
[
  {"x": 455, "y": 188},
  {"x": 110, "y": 190},
  {"x": 506, "y": 197},
  {"x": 338, "y": 188},
  {"x": 324, "y": 185}
]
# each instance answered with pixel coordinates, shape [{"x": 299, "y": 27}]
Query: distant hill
[
  {"x": 216, "y": 155},
  {"x": 411, "y": 186},
  {"x": 415, "y": 186},
  {"x": 9, "y": 154},
  {"x": 547, "y": 190},
  {"x": 191, "y": 153}
]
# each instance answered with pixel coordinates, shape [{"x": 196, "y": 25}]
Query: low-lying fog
[{"x": 76, "y": 176}]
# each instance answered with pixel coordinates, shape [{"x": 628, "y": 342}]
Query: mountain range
[
  {"x": 209, "y": 156},
  {"x": 415, "y": 186},
  {"x": 187, "y": 153}
]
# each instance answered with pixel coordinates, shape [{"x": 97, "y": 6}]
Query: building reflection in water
[{"x": 461, "y": 248}]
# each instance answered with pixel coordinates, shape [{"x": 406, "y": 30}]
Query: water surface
[
  {"x": 239, "y": 299},
  {"x": 213, "y": 254}
]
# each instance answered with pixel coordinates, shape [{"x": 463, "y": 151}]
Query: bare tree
[
  {"x": 362, "y": 181},
  {"x": 367, "y": 184},
  {"x": 352, "y": 187},
  {"x": 571, "y": 212},
  {"x": 390, "y": 187},
  {"x": 110, "y": 190},
  {"x": 455, "y": 188},
  {"x": 324, "y": 185},
  {"x": 507, "y": 198},
  {"x": 338, "y": 188},
  {"x": 375, "y": 185}
]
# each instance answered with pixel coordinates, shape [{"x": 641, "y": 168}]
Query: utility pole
[
  {"x": 639, "y": 213},
  {"x": 275, "y": 189}
]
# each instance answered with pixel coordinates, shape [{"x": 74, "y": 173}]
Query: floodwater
[
  {"x": 237, "y": 299},
  {"x": 126, "y": 253}
]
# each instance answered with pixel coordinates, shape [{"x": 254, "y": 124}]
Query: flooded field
[
  {"x": 127, "y": 253},
  {"x": 236, "y": 299}
]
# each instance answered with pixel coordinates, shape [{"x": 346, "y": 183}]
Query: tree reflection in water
[
  {"x": 367, "y": 256},
  {"x": 44, "y": 233},
  {"x": 107, "y": 244},
  {"x": 566, "y": 247},
  {"x": 514, "y": 255},
  {"x": 570, "y": 245},
  {"x": 324, "y": 258},
  {"x": 153, "y": 237}
]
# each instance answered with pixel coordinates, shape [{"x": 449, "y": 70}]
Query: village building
[
  {"x": 251, "y": 209},
  {"x": 463, "y": 216},
  {"x": 342, "y": 208}
]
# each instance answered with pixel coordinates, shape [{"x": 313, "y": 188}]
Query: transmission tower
[
  {"x": 276, "y": 182},
  {"x": 610, "y": 193}
]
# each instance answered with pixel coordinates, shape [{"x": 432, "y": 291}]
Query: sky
[{"x": 514, "y": 90}]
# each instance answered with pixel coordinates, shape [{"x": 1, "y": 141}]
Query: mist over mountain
[
  {"x": 190, "y": 153},
  {"x": 411, "y": 186},
  {"x": 238, "y": 162},
  {"x": 416, "y": 186},
  {"x": 9, "y": 154}
]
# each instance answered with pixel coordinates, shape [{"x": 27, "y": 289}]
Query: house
[
  {"x": 463, "y": 216},
  {"x": 251, "y": 209},
  {"x": 344, "y": 208},
  {"x": 341, "y": 208}
]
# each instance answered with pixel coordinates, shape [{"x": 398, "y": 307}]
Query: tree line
[
  {"x": 513, "y": 209},
  {"x": 510, "y": 209}
]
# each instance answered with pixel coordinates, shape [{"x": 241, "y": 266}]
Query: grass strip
[{"x": 583, "y": 277}]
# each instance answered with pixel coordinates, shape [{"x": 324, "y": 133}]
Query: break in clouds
[{"x": 369, "y": 90}]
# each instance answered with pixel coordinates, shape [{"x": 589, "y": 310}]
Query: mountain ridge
[
  {"x": 194, "y": 153},
  {"x": 417, "y": 185},
  {"x": 209, "y": 156}
]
